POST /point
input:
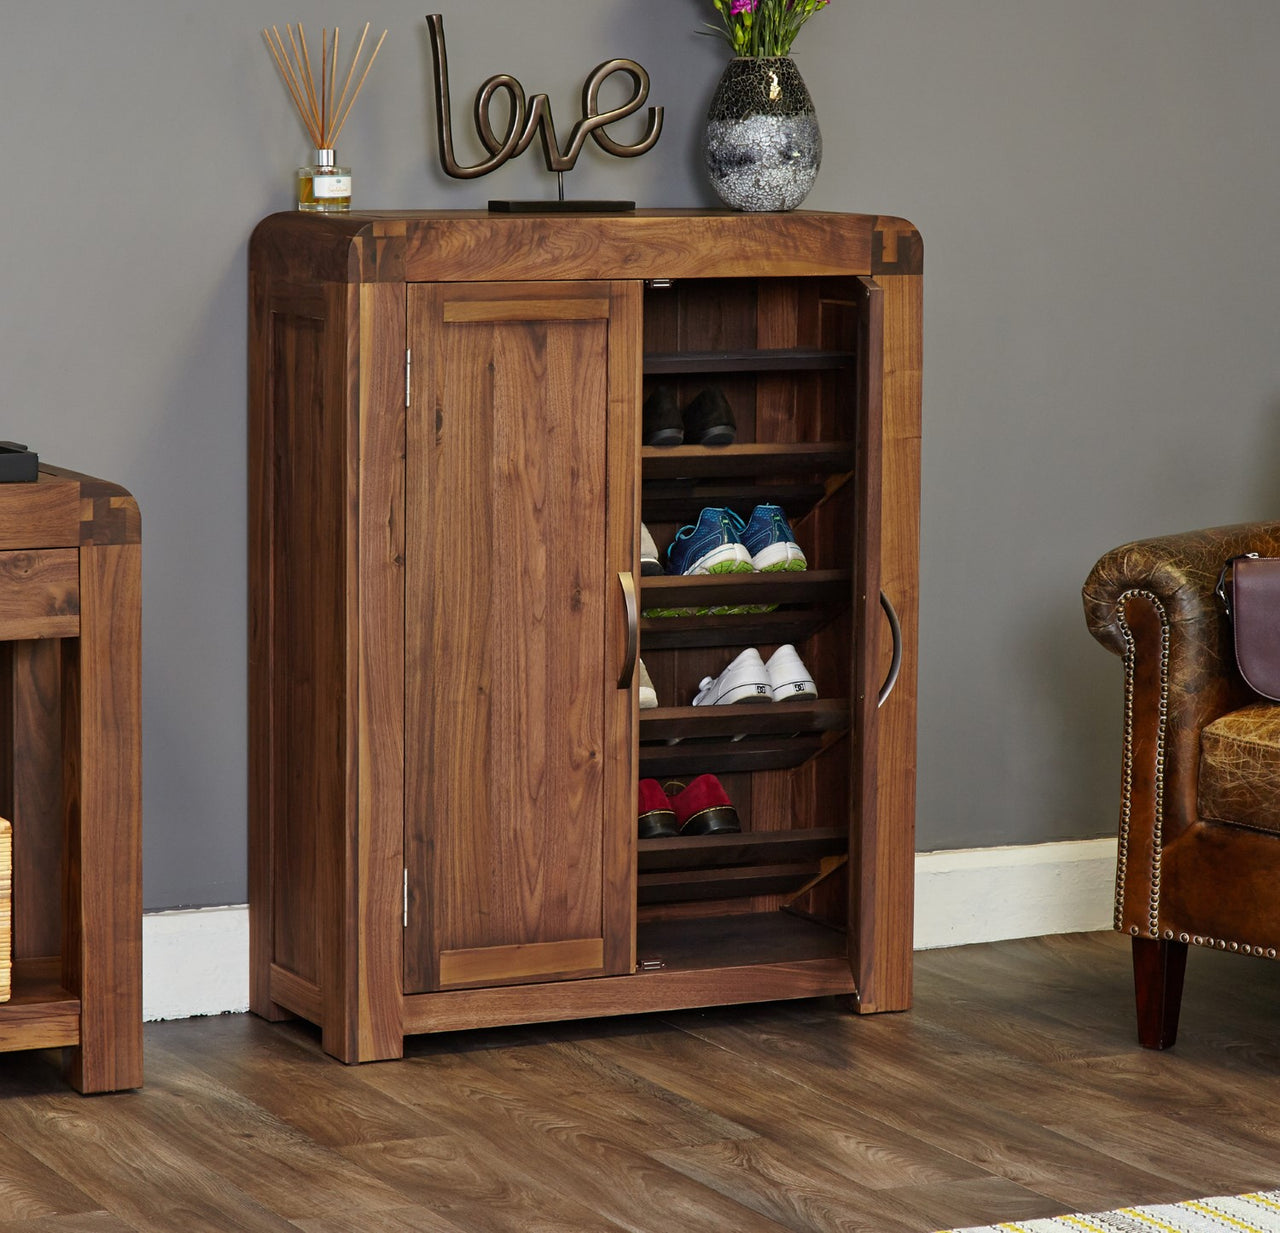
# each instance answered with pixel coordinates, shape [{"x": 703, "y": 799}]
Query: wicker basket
[{"x": 6, "y": 909}]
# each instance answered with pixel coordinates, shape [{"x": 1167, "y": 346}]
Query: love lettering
[{"x": 532, "y": 117}]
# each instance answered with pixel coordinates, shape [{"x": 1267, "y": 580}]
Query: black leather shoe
[
  {"x": 708, "y": 419},
  {"x": 660, "y": 418}
]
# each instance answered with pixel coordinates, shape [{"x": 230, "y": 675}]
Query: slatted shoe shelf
[{"x": 765, "y": 736}]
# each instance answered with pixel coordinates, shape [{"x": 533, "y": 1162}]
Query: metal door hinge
[
  {"x": 406, "y": 899},
  {"x": 408, "y": 370}
]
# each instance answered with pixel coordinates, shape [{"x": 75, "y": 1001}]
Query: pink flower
[{"x": 762, "y": 28}]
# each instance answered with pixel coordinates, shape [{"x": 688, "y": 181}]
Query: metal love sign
[{"x": 531, "y": 117}]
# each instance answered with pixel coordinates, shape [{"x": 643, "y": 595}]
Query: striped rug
[{"x": 1241, "y": 1213}]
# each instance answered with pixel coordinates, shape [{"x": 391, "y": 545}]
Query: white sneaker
[
  {"x": 650, "y": 561},
  {"x": 646, "y": 695},
  {"x": 744, "y": 680},
  {"x": 788, "y": 677}
]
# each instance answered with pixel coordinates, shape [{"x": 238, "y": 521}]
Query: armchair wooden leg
[{"x": 1158, "y": 968}]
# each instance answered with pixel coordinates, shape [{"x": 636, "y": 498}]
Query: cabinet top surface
[
  {"x": 424, "y": 245},
  {"x": 64, "y": 509},
  {"x": 364, "y": 218}
]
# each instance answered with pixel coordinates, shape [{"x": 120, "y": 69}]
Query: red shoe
[
  {"x": 657, "y": 818},
  {"x": 704, "y": 807}
]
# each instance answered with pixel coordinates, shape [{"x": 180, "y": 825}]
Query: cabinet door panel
[
  {"x": 864, "y": 842},
  {"x": 517, "y": 736}
]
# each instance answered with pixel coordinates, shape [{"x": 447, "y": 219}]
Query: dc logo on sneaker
[
  {"x": 797, "y": 688},
  {"x": 762, "y": 689}
]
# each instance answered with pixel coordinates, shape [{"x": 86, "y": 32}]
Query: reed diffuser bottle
[{"x": 323, "y": 186}]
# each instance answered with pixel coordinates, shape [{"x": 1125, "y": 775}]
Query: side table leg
[{"x": 102, "y": 713}]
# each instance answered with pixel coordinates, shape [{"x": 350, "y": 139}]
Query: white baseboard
[
  {"x": 989, "y": 894},
  {"x": 197, "y": 962}
]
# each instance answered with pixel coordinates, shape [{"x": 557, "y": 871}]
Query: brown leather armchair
[{"x": 1199, "y": 856}]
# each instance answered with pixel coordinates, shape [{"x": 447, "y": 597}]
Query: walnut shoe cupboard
[{"x": 447, "y": 614}]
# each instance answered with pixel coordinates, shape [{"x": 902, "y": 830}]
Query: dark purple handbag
[{"x": 1251, "y": 597}]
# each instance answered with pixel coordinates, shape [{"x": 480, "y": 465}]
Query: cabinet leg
[
  {"x": 260, "y": 926},
  {"x": 1158, "y": 968},
  {"x": 102, "y": 793},
  {"x": 272, "y": 1013}
]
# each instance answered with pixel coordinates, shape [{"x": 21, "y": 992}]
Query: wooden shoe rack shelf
[{"x": 447, "y": 485}]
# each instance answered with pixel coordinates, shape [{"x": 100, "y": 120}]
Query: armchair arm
[
  {"x": 1152, "y": 602},
  {"x": 1181, "y": 571}
]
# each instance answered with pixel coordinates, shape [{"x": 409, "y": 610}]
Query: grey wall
[{"x": 1096, "y": 183}]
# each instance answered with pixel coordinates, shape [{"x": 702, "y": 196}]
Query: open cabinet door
[
  {"x": 868, "y": 659},
  {"x": 520, "y": 796}
]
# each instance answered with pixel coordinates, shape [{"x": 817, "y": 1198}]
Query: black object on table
[{"x": 18, "y": 465}]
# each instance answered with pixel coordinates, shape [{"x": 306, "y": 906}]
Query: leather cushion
[{"x": 1240, "y": 767}]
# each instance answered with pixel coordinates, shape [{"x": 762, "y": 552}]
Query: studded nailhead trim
[
  {"x": 1153, "y": 930},
  {"x": 1126, "y": 791},
  {"x": 1200, "y": 939}
]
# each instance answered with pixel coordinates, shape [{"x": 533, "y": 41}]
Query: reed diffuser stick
[
  {"x": 359, "y": 47},
  {"x": 356, "y": 93},
  {"x": 324, "y": 77},
  {"x": 301, "y": 96},
  {"x": 333, "y": 67},
  {"x": 309, "y": 78},
  {"x": 280, "y": 56},
  {"x": 321, "y": 111}
]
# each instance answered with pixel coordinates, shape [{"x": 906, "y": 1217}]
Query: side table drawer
[{"x": 40, "y": 594}]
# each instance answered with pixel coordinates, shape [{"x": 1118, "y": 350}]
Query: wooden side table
[{"x": 70, "y": 772}]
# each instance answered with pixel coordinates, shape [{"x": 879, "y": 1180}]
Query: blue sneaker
[
  {"x": 709, "y": 546},
  {"x": 768, "y": 537}
]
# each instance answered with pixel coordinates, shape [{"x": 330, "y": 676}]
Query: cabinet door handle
[
  {"x": 895, "y": 664},
  {"x": 633, "y": 630}
]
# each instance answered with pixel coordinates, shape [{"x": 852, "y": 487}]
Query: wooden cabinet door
[
  {"x": 520, "y": 617},
  {"x": 867, "y": 928}
]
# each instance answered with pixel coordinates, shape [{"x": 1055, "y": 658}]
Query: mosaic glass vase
[{"x": 762, "y": 144}]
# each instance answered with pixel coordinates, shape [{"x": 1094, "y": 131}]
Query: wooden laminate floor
[{"x": 1015, "y": 1088}]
